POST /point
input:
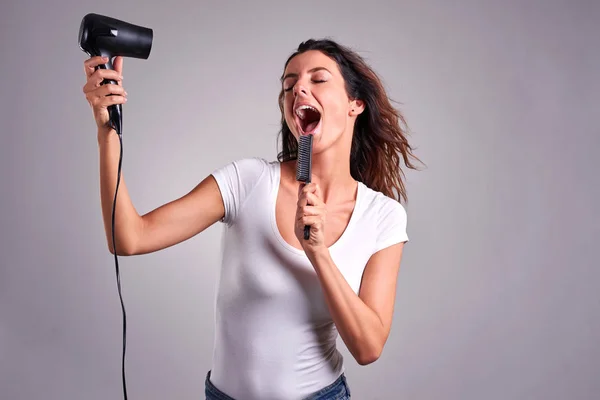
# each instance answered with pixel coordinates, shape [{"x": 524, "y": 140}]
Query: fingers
[
  {"x": 313, "y": 221},
  {"x": 98, "y": 76},
  {"x": 107, "y": 94},
  {"x": 116, "y": 73},
  {"x": 309, "y": 198},
  {"x": 118, "y": 64},
  {"x": 308, "y": 188},
  {"x": 97, "y": 94},
  {"x": 317, "y": 191},
  {"x": 102, "y": 74},
  {"x": 106, "y": 90},
  {"x": 103, "y": 102},
  {"x": 311, "y": 211},
  {"x": 91, "y": 63},
  {"x": 310, "y": 205},
  {"x": 108, "y": 101}
]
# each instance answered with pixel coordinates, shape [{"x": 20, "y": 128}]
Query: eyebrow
[{"x": 291, "y": 75}]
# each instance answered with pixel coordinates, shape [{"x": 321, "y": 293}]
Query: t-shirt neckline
[{"x": 273, "y": 214}]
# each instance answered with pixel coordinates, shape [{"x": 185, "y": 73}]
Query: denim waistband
[{"x": 338, "y": 390}]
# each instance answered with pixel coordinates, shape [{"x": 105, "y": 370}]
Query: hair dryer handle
[{"x": 114, "y": 110}]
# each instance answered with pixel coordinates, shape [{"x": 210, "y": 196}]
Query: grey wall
[{"x": 497, "y": 296}]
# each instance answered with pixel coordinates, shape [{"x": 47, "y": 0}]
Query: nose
[{"x": 298, "y": 88}]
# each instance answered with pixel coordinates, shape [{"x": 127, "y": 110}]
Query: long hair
[{"x": 379, "y": 140}]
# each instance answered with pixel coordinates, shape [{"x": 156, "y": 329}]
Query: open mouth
[{"x": 308, "y": 119}]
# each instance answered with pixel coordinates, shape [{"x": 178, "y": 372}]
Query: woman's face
[{"x": 315, "y": 100}]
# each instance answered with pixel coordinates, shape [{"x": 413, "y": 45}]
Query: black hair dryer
[{"x": 104, "y": 36}]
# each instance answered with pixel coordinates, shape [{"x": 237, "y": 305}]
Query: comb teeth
[{"x": 304, "y": 163}]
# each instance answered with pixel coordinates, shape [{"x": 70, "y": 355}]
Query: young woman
[{"x": 282, "y": 300}]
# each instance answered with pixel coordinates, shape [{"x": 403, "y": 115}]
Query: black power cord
[{"x": 118, "y": 128}]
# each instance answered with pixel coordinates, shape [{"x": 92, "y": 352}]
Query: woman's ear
[{"x": 357, "y": 106}]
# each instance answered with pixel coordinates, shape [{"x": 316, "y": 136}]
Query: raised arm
[{"x": 164, "y": 226}]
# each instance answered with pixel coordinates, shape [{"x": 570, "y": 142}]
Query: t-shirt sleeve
[
  {"x": 236, "y": 181},
  {"x": 391, "y": 225}
]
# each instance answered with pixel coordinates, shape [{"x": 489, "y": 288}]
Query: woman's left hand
[{"x": 312, "y": 211}]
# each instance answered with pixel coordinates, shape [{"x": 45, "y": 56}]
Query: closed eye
[{"x": 314, "y": 81}]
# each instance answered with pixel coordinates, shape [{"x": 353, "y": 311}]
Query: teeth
[{"x": 300, "y": 110}]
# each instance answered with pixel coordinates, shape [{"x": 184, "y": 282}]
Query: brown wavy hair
[{"x": 380, "y": 134}]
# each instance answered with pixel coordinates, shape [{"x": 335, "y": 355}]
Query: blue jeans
[{"x": 338, "y": 390}]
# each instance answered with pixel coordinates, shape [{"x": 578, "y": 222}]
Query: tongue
[{"x": 311, "y": 126}]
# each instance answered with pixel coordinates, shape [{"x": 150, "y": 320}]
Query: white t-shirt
[{"x": 274, "y": 336}]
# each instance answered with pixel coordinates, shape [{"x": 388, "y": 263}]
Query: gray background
[{"x": 498, "y": 292}]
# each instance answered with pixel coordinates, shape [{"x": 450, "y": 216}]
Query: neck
[{"x": 331, "y": 170}]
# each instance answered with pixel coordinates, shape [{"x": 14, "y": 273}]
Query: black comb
[{"x": 304, "y": 166}]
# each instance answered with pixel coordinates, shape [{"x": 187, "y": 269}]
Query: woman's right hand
[{"x": 99, "y": 96}]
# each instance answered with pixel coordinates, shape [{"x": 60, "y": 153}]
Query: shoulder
[
  {"x": 237, "y": 181},
  {"x": 381, "y": 206},
  {"x": 388, "y": 217},
  {"x": 245, "y": 164},
  {"x": 248, "y": 169}
]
